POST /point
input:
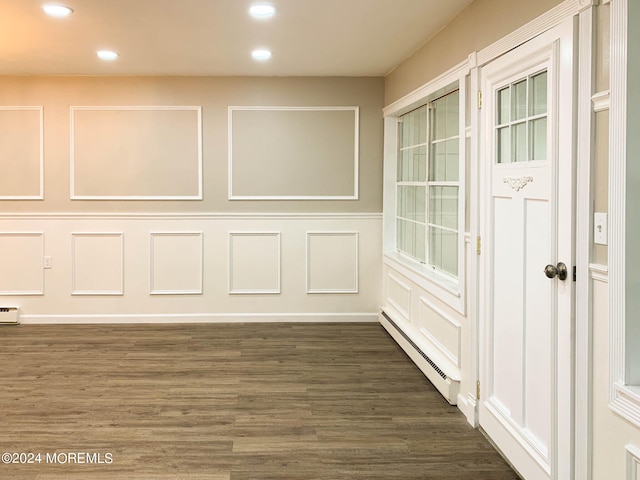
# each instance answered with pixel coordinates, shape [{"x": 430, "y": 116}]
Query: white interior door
[{"x": 526, "y": 317}]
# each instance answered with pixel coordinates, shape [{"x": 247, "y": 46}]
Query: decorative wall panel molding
[
  {"x": 176, "y": 263},
  {"x": 21, "y": 255},
  {"x": 278, "y": 153},
  {"x": 97, "y": 263},
  {"x": 441, "y": 329},
  {"x": 21, "y": 153},
  {"x": 399, "y": 296},
  {"x": 254, "y": 263},
  {"x": 332, "y": 262},
  {"x": 136, "y": 153}
]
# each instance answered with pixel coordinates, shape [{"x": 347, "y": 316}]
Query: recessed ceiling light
[
  {"x": 262, "y": 10},
  {"x": 54, "y": 10},
  {"x": 107, "y": 55},
  {"x": 261, "y": 54}
]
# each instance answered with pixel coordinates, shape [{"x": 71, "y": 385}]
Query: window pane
[
  {"x": 420, "y": 164},
  {"x": 439, "y": 119},
  {"x": 504, "y": 105},
  {"x": 435, "y": 205},
  {"x": 449, "y": 205},
  {"x": 504, "y": 145},
  {"x": 435, "y": 247},
  {"x": 438, "y": 164},
  {"x": 539, "y": 94},
  {"x": 400, "y": 202},
  {"x": 450, "y": 253},
  {"x": 453, "y": 161},
  {"x": 539, "y": 139},
  {"x": 520, "y": 142},
  {"x": 421, "y": 204},
  {"x": 453, "y": 115},
  {"x": 420, "y": 243},
  {"x": 520, "y": 100}
]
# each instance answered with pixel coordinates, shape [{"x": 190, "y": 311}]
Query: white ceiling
[{"x": 215, "y": 37}]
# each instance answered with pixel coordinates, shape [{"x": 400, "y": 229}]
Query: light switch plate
[{"x": 600, "y": 228}]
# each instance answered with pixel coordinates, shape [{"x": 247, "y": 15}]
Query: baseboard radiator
[
  {"x": 447, "y": 386},
  {"x": 9, "y": 315}
]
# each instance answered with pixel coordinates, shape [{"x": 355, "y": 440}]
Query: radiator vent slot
[
  {"x": 9, "y": 315},
  {"x": 417, "y": 349}
]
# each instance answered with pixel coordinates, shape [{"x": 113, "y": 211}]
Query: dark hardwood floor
[{"x": 227, "y": 402}]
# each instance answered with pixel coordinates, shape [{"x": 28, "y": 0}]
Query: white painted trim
[
  {"x": 452, "y": 356},
  {"x": 356, "y": 159},
  {"x": 435, "y": 88},
  {"x": 449, "y": 290},
  {"x": 599, "y": 273},
  {"x": 601, "y": 101},
  {"x": 308, "y": 262},
  {"x": 152, "y": 290},
  {"x": 190, "y": 216},
  {"x": 633, "y": 462},
  {"x": 266, "y": 291},
  {"x": 73, "y": 109},
  {"x": 404, "y": 314},
  {"x": 26, "y": 292},
  {"x": 432, "y": 282},
  {"x": 467, "y": 407},
  {"x": 585, "y": 158},
  {"x": 74, "y": 291},
  {"x": 40, "y": 195},
  {"x": 621, "y": 401},
  {"x": 319, "y": 317},
  {"x": 544, "y": 22}
]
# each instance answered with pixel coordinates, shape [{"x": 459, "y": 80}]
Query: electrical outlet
[
  {"x": 600, "y": 228},
  {"x": 47, "y": 262}
]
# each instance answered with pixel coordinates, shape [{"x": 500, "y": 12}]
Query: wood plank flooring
[{"x": 228, "y": 402}]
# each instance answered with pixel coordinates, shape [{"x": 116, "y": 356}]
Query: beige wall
[
  {"x": 479, "y": 25},
  {"x": 214, "y": 95}
]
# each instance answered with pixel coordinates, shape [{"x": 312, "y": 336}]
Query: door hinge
[
  {"x": 574, "y": 273},
  {"x": 479, "y": 98},
  {"x": 478, "y": 390},
  {"x": 478, "y": 245}
]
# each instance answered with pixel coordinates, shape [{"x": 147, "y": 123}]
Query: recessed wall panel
[
  {"x": 21, "y": 153},
  {"x": 254, "y": 262},
  {"x": 332, "y": 262},
  {"x": 441, "y": 329},
  {"x": 399, "y": 296},
  {"x": 21, "y": 259},
  {"x": 136, "y": 153},
  {"x": 293, "y": 153},
  {"x": 98, "y": 267},
  {"x": 176, "y": 263}
]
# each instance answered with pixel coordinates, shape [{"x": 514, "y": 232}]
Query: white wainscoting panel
[
  {"x": 21, "y": 153},
  {"x": 441, "y": 329},
  {"x": 633, "y": 462},
  {"x": 176, "y": 263},
  {"x": 332, "y": 262},
  {"x": 97, "y": 263},
  {"x": 253, "y": 266},
  {"x": 21, "y": 255},
  {"x": 399, "y": 296},
  {"x": 254, "y": 262}
]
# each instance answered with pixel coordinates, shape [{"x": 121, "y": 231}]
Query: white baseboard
[
  {"x": 467, "y": 405},
  {"x": 201, "y": 318}
]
